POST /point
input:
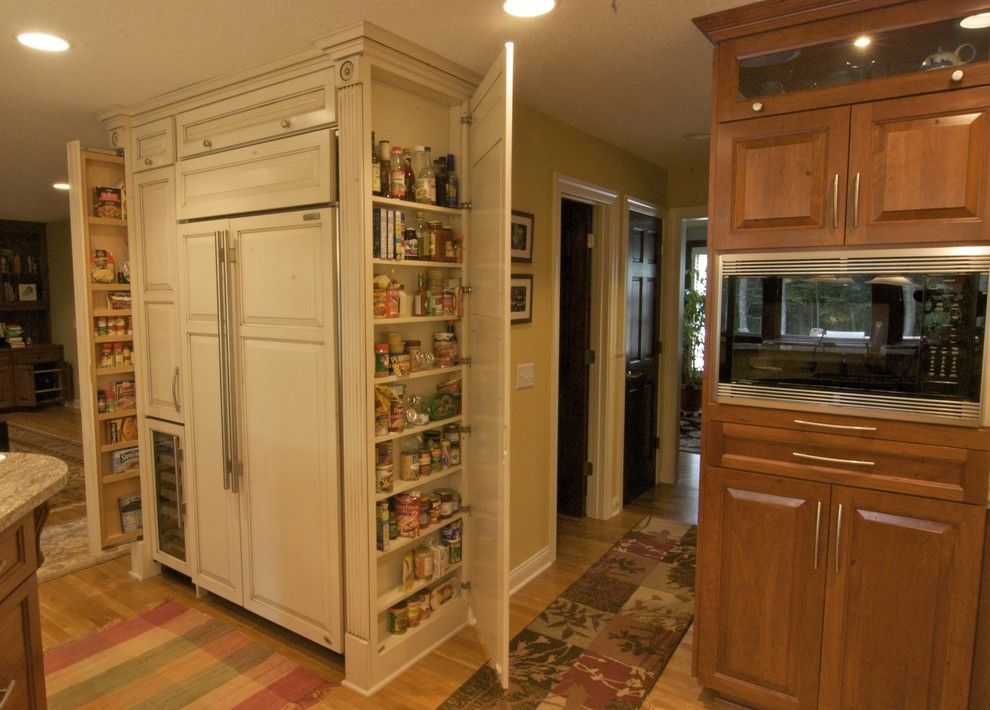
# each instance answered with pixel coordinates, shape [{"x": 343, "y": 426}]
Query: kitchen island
[{"x": 27, "y": 481}]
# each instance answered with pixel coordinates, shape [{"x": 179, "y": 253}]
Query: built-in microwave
[{"x": 897, "y": 333}]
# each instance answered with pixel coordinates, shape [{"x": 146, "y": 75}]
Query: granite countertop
[{"x": 26, "y": 481}]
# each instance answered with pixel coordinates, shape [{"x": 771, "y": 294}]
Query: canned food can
[
  {"x": 398, "y": 618},
  {"x": 413, "y": 611},
  {"x": 424, "y": 563}
]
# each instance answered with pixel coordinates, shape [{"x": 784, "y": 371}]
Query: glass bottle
[
  {"x": 385, "y": 160},
  {"x": 376, "y": 168},
  {"x": 397, "y": 182},
  {"x": 426, "y": 180},
  {"x": 409, "y": 176},
  {"x": 452, "y": 196},
  {"x": 422, "y": 236},
  {"x": 440, "y": 168}
]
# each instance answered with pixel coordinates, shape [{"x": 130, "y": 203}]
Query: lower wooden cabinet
[{"x": 817, "y": 595}]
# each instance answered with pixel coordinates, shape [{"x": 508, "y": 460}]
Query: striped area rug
[{"x": 175, "y": 657}]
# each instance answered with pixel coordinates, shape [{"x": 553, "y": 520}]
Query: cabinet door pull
[
  {"x": 175, "y": 390},
  {"x": 856, "y": 203},
  {"x": 818, "y": 529},
  {"x": 7, "y": 694},
  {"x": 827, "y": 459},
  {"x": 221, "y": 309},
  {"x": 835, "y": 201},
  {"x": 285, "y": 123},
  {"x": 845, "y": 427},
  {"x": 838, "y": 534}
]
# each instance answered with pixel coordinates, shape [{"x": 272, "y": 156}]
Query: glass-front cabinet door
[
  {"x": 169, "y": 494},
  {"x": 927, "y": 46}
]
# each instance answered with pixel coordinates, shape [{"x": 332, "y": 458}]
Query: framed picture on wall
[
  {"x": 521, "y": 237},
  {"x": 521, "y": 298}
]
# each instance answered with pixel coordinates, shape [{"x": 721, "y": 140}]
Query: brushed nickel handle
[
  {"x": 835, "y": 201},
  {"x": 175, "y": 390},
  {"x": 838, "y": 535},
  {"x": 285, "y": 123},
  {"x": 844, "y": 427},
  {"x": 852, "y": 462},
  {"x": 221, "y": 295},
  {"x": 818, "y": 529},
  {"x": 957, "y": 76},
  {"x": 207, "y": 143},
  {"x": 7, "y": 694},
  {"x": 856, "y": 203},
  {"x": 148, "y": 161},
  {"x": 757, "y": 106}
]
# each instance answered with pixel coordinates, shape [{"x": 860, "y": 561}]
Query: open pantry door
[{"x": 488, "y": 307}]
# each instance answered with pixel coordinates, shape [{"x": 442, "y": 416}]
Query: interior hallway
[{"x": 84, "y": 601}]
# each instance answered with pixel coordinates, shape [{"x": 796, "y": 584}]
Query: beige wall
[
  {"x": 542, "y": 146},
  {"x": 63, "y": 313},
  {"x": 688, "y": 185}
]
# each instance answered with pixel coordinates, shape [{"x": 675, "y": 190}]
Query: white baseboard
[{"x": 526, "y": 571}]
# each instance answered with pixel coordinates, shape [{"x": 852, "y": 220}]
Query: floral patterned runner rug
[{"x": 603, "y": 643}]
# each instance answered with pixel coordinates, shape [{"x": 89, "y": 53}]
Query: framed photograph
[
  {"x": 27, "y": 292},
  {"x": 521, "y": 237},
  {"x": 521, "y": 298}
]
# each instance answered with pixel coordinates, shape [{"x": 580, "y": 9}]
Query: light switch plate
[{"x": 524, "y": 375}]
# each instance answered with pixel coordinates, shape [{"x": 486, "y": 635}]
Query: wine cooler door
[{"x": 169, "y": 495}]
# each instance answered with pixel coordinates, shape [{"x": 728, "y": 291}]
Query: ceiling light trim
[
  {"x": 528, "y": 8},
  {"x": 43, "y": 41}
]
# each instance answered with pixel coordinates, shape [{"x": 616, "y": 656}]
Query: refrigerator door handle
[
  {"x": 228, "y": 333},
  {"x": 221, "y": 345}
]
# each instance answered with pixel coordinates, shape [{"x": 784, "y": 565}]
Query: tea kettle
[{"x": 946, "y": 58}]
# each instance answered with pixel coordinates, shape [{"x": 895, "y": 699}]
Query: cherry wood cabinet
[
  {"x": 912, "y": 170},
  {"x": 22, "y": 676},
  {"x": 816, "y": 595}
]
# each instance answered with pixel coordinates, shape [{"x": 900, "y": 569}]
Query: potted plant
[{"x": 692, "y": 339}]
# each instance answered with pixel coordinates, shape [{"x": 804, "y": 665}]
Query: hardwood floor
[
  {"x": 65, "y": 422},
  {"x": 84, "y": 601}
]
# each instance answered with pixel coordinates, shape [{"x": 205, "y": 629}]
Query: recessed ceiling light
[
  {"x": 61, "y": 185},
  {"x": 862, "y": 41},
  {"x": 528, "y": 8},
  {"x": 976, "y": 22},
  {"x": 42, "y": 41}
]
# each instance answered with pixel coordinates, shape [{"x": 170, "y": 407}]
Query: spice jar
[{"x": 382, "y": 362}]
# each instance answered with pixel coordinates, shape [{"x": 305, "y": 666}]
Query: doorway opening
[{"x": 694, "y": 237}]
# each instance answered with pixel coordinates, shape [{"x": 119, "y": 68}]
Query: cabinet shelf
[
  {"x": 106, "y": 222},
  {"x": 401, "y": 543},
  {"x": 109, "y": 287},
  {"x": 403, "y": 486},
  {"x": 395, "y": 596},
  {"x": 114, "y": 370},
  {"x": 117, "y": 414},
  {"x": 456, "y": 606},
  {"x": 418, "y": 263},
  {"x": 123, "y": 338},
  {"x": 409, "y": 431},
  {"x": 414, "y": 319},
  {"x": 111, "y": 312},
  {"x": 125, "y": 476},
  {"x": 121, "y": 538},
  {"x": 415, "y": 206},
  {"x": 107, "y": 448},
  {"x": 419, "y": 374}
]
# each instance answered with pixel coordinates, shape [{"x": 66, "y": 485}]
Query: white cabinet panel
[
  {"x": 153, "y": 212},
  {"x": 160, "y": 358},
  {"x": 153, "y": 145}
]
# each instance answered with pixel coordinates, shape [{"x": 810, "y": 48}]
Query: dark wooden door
[
  {"x": 761, "y": 587},
  {"x": 642, "y": 345},
  {"x": 921, "y": 168},
  {"x": 784, "y": 181},
  {"x": 575, "y": 335},
  {"x": 902, "y": 596}
]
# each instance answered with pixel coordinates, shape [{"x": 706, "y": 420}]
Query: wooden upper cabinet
[
  {"x": 780, "y": 181},
  {"x": 761, "y": 582},
  {"x": 901, "y": 599},
  {"x": 920, "y": 168}
]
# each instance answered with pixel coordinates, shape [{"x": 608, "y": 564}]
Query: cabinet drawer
[
  {"x": 153, "y": 145},
  {"x": 945, "y": 472},
  {"x": 18, "y": 557},
  {"x": 289, "y": 172},
  {"x": 291, "y": 106}
]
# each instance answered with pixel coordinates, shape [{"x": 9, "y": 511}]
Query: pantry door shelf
[
  {"x": 403, "y": 486},
  {"x": 402, "y": 543},
  {"x": 419, "y": 374},
  {"x": 417, "y": 429},
  {"x": 416, "y": 206},
  {"x": 390, "y": 599}
]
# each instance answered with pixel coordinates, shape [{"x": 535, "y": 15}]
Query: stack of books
[{"x": 14, "y": 334}]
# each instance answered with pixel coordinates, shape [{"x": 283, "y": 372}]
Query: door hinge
[
  {"x": 466, "y": 119},
  {"x": 591, "y": 241},
  {"x": 589, "y": 357},
  {"x": 589, "y": 469},
  {"x": 464, "y": 361}
]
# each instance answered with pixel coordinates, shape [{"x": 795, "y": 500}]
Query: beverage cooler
[{"x": 170, "y": 511}]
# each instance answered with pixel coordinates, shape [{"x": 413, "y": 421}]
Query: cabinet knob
[
  {"x": 148, "y": 161},
  {"x": 757, "y": 105},
  {"x": 207, "y": 143},
  {"x": 285, "y": 123},
  {"x": 957, "y": 76}
]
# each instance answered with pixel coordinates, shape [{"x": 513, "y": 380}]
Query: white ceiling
[{"x": 635, "y": 73}]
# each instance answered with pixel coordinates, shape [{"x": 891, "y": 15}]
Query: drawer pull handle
[
  {"x": 7, "y": 694},
  {"x": 148, "y": 161},
  {"x": 285, "y": 123},
  {"x": 207, "y": 143},
  {"x": 835, "y": 201},
  {"x": 838, "y": 534},
  {"x": 856, "y": 204},
  {"x": 845, "y": 427},
  {"x": 818, "y": 529},
  {"x": 852, "y": 462}
]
